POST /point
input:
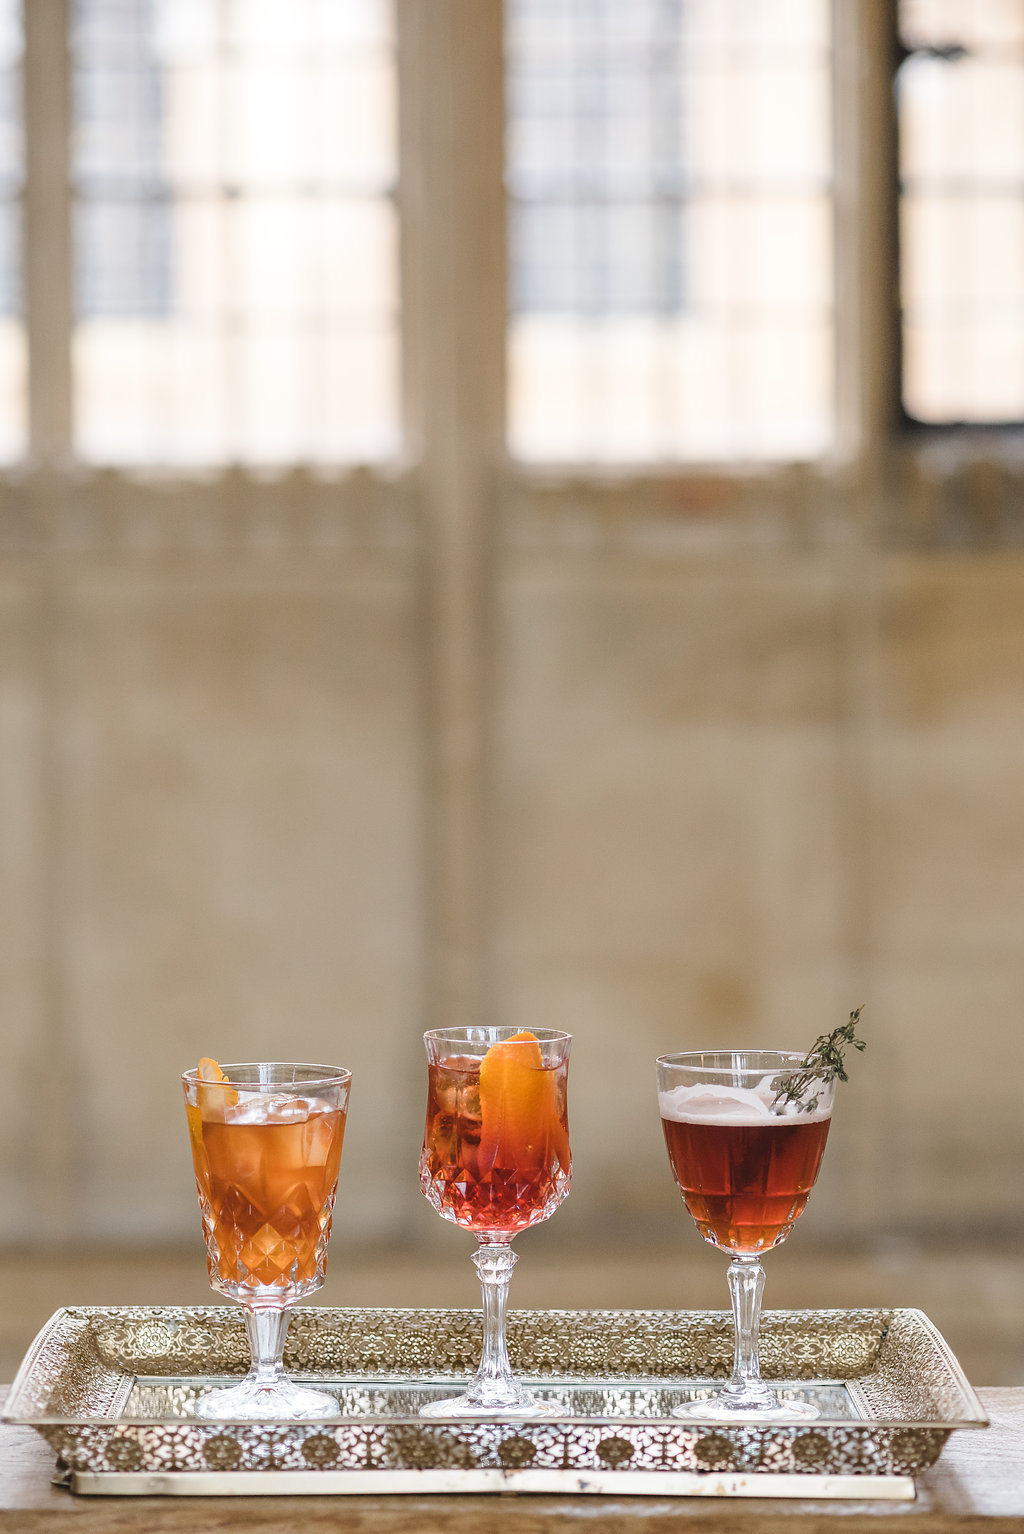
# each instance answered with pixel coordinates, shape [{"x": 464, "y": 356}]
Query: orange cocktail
[
  {"x": 266, "y": 1147},
  {"x": 267, "y": 1172}
]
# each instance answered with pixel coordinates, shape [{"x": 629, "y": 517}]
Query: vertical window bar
[
  {"x": 47, "y": 229},
  {"x": 867, "y": 358}
]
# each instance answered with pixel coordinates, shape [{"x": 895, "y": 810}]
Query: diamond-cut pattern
[
  {"x": 287, "y": 1250},
  {"x": 507, "y": 1199},
  {"x": 266, "y": 1202}
]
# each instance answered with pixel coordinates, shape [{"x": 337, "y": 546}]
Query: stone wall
[{"x": 746, "y": 771}]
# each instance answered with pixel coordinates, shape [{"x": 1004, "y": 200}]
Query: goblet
[
  {"x": 745, "y": 1159},
  {"x": 495, "y": 1160},
  {"x": 266, "y": 1146}
]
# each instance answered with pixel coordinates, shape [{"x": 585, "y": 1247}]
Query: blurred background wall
[{"x": 514, "y": 516}]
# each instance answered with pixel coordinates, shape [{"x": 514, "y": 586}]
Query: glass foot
[
  {"x": 520, "y": 1404},
  {"x": 281, "y": 1401},
  {"x": 766, "y": 1408}
]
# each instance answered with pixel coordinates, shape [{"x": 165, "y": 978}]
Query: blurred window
[
  {"x": 961, "y": 126},
  {"x": 671, "y": 265},
  {"x": 234, "y": 231},
  {"x": 13, "y": 380},
  {"x": 669, "y": 168}
]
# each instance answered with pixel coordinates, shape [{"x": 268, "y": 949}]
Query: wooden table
[{"x": 977, "y": 1485}]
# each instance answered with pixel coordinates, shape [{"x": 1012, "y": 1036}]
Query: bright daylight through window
[
  {"x": 234, "y": 231},
  {"x": 961, "y": 121},
  {"x": 669, "y": 166},
  {"x": 669, "y": 169}
]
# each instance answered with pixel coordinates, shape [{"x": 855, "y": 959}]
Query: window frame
[
  {"x": 908, "y": 429},
  {"x": 869, "y": 413}
]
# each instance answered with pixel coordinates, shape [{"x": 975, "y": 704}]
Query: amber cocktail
[
  {"x": 266, "y": 1146},
  {"x": 495, "y": 1160},
  {"x": 745, "y": 1184},
  {"x": 745, "y": 1159}
]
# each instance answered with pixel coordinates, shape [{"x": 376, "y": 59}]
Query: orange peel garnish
[
  {"x": 521, "y": 1126},
  {"x": 210, "y": 1101},
  {"x": 211, "y": 1097},
  {"x": 209, "y": 1071}
]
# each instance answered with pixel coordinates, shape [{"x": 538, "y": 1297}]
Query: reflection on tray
[{"x": 161, "y": 1398}]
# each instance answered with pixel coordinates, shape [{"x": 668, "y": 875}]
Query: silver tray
[{"x": 111, "y": 1388}]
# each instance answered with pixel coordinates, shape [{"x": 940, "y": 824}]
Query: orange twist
[{"x": 521, "y": 1126}]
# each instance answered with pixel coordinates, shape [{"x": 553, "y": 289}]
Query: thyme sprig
[{"x": 824, "y": 1063}]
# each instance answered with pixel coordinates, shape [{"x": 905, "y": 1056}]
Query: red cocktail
[
  {"x": 495, "y": 1160},
  {"x": 496, "y": 1153}
]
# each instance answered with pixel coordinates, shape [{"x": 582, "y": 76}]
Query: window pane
[
  {"x": 235, "y": 231},
  {"x": 961, "y": 118},
  {"x": 669, "y": 173},
  {"x": 13, "y": 365}
]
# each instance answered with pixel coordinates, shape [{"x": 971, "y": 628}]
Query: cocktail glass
[
  {"x": 266, "y": 1146},
  {"x": 745, "y": 1161},
  {"x": 495, "y": 1160}
]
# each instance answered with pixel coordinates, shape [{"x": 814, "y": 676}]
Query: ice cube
[
  {"x": 267, "y": 1108},
  {"x": 317, "y": 1140}
]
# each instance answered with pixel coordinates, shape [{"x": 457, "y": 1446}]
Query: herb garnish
[{"x": 823, "y": 1063}]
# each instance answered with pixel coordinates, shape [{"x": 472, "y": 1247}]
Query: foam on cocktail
[{"x": 741, "y": 1106}]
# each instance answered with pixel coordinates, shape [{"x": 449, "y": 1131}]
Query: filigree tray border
[{"x": 78, "y": 1373}]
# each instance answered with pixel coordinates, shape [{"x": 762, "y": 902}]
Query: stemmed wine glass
[
  {"x": 745, "y": 1157},
  {"x": 495, "y": 1160},
  {"x": 266, "y": 1146}
]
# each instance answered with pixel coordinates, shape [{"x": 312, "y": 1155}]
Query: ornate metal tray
[{"x": 110, "y": 1389}]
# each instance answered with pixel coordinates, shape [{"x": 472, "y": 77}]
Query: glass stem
[
  {"x": 746, "y": 1286},
  {"x": 266, "y": 1331},
  {"x": 494, "y": 1263}
]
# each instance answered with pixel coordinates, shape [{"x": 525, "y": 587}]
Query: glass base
[
  {"x": 746, "y": 1408},
  {"x": 519, "y": 1403},
  {"x": 276, "y": 1402}
]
